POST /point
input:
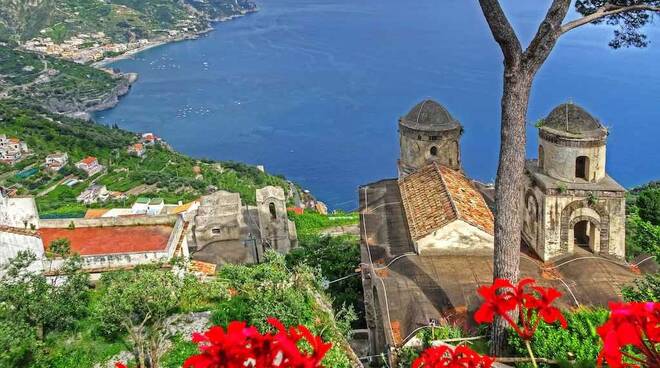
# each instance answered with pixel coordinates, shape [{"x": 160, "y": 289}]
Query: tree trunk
[{"x": 509, "y": 185}]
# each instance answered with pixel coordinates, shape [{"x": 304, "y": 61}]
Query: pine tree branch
[
  {"x": 606, "y": 11},
  {"x": 547, "y": 35},
  {"x": 502, "y": 31}
]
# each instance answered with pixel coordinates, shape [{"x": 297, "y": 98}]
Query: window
[
  {"x": 434, "y": 151},
  {"x": 273, "y": 211},
  {"x": 541, "y": 157},
  {"x": 215, "y": 231},
  {"x": 582, "y": 167},
  {"x": 433, "y": 138}
]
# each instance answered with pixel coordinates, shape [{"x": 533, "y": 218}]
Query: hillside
[
  {"x": 58, "y": 85},
  {"x": 122, "y": 20},
  {"x": 159, "y": 173}
]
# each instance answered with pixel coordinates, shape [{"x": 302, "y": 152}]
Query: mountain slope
[{"x": 122, "y": 20}]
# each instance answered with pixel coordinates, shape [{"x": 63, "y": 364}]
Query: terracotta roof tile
[
  {"x": 93, "y": 213},
  {"x": 436, "y": 195},
  {"x": 88, "y": 241},
  {"x": 88, "y": 160},
  {"x": 467, "y": 200},
  {"x": 426, "y": 202}
]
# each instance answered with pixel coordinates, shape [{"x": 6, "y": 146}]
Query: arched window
[
  {"x": 582, "y": 167},
  {"x": 434, "y": 151},
  {"x": 273, "y": 211},
  {"x": 541, "y": 157}
]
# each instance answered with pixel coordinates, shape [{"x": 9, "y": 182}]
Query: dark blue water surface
[{"x": 312, "y": 89}]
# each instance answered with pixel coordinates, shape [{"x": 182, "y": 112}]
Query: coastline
[
  {"x": 161, "y": 42},
  {"x": 115, "y": 96}
]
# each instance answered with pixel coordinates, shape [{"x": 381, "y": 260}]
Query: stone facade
[
  {"x": 274, "y": 223},
  {"x": 428, "y": 133},
  {"x": 569, "y": 200},
  {"x": 219, "y": 218}
]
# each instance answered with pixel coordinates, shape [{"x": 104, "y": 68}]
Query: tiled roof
[
  {"x": 436, "y": 195},
  {"x": 88, "y": 160},
  {"x": 88, "y": 241},
  {"x": 426, "y": 202},
  {"x": 469, "y": 203}
]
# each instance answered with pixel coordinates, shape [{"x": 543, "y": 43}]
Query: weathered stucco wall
[
  {"x": 18, "y": 212},
  {"x": 273, "y": 219},
  {"x": 416, "y": 149},
  {"x": 561, "y": 212},
  {"x": 12, "y": 242},
  {"x": 109, "y": 221},
  {"x": 219, "y": 218},
  {"x": 457, "y": 235},
  {"x": 559, "y": 161}
]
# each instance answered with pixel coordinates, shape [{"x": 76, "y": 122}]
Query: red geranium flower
[
  {"x": 533, "y": 306},
  {"x": 241, "y": 346},
  {"x": 631, "y": 324},
  {"x": 446, "y": 357},
  {"x": 120, "y": 365}
]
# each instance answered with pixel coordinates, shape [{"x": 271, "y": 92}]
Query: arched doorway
[{"x": 585, "y": 234}]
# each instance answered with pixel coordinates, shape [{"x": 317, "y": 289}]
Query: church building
[
  {"x": 570, "y": 202},
  {"x": 427, "y": 236}
]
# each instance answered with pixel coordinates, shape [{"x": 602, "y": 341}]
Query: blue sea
[{"x": 313, "y": 89}]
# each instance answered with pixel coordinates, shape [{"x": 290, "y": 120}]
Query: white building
[
  {"x": 90, "y": 165},
  {"x": 56, "y": 161},
  {"x": 94, "y": 194}
]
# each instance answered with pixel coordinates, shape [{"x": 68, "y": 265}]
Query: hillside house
[
  {"x": 90, "y": 165},
  {"x": 12, "y": 150},
  {"x": 136, "y": 149},
  {"x": 94, "y": 194},
  {"x": 56, "y": 161}
]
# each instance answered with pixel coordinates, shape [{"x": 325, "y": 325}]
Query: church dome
[
  {"x": 572, "y": 120},
  {"x": 429, "y": 115}
]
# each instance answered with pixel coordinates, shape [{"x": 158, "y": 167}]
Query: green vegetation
[
  {"x": 56, "y": 84},
  {"x": 292, "y": 297},
  {"x": 122, "y": 20},
  {"x": 335, "y": 257},
  {"x": 311, "y": 223},
  {"x": 71, "y": 325},
  {"x": 578, "y": 342},
  {"x": 642, "y": 227},
  {"x": 161, "y": 173},
  {"x": 646, "y": 289}
]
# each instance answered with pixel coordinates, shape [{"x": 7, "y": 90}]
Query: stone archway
[
  {"x": 589, "y": 233},
  {"x": 603, "y": 225}
]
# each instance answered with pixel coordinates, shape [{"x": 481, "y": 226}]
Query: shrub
[{"x": 579, "y": 341}]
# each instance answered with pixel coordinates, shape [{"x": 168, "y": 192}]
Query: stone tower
[
  {"x": 570, "y": 203},
  {"x": 428, "y": 133},
  {"x": 277, "y": 232}
]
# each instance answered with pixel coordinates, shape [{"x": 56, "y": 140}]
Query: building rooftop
[
  {"x": 442, "y": 285},
  {"x": 545, "y": 182},
  {"x": 88, "y": 160},
  {"x": 436, "y": 195},
  {"x": 572, "y": 120},
  {"x": 429, "y": 115},
  {"x": 90, "y": 241}
]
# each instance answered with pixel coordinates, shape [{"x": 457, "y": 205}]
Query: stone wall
[
  {"x": 109, "y": 221},
  {"x": 219, "y": 218},
  {"x": 273, "y": 218},
  {"x": 416, "y": 149},
  {"x": 18, "y": 212},
  {"x": 559, "y": 161}
]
